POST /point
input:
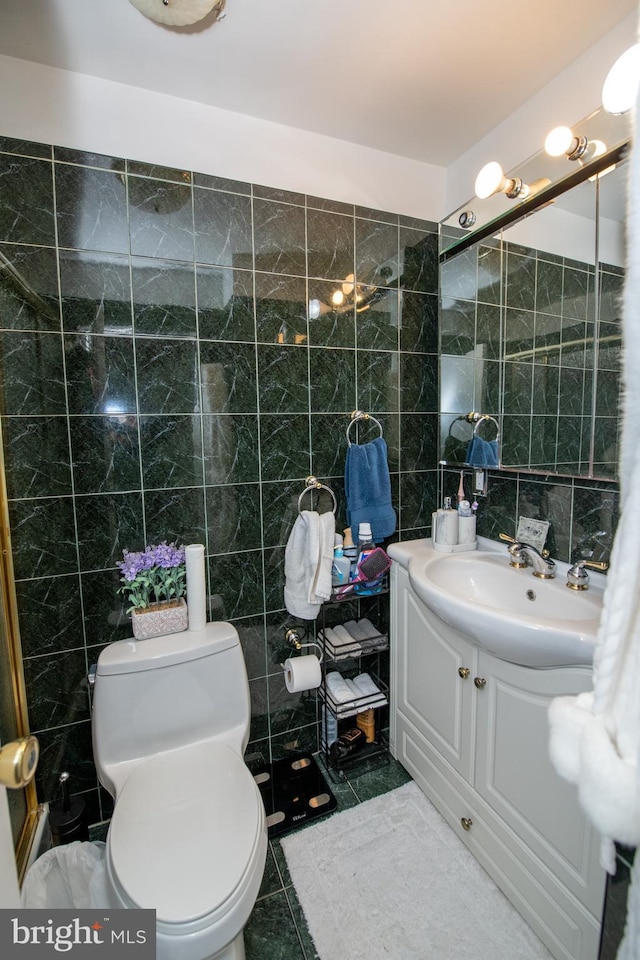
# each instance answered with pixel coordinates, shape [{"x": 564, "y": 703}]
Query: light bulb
[
  {"x": 348, "y": 285},
  {"x": 490, "y": 180},
  {"x": 562, "y": 141},
  {"x": 559, "y": 141},
  {"x": 621, "y": 84},
  {"x": 337, "y": 298},
  {"x": 314, "y": 308}
]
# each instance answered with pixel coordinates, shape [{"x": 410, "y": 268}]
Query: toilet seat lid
[{"x": 183, "y": 831}]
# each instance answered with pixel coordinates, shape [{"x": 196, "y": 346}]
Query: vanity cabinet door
[
  {"x": 517, "y": 779},
  {"x": 434, "y": 682}
]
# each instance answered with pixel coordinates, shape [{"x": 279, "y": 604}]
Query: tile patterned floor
[{"x": 277, "y": 929}]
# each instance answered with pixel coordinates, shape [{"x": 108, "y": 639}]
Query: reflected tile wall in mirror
[
  {"x": 166, "y": 377},
  {"x": 517, "y": 332}
]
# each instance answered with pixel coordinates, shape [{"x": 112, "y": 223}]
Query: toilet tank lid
[{"x": 130, "y": 656}]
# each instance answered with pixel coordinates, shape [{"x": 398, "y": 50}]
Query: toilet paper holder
[{"x": 294, "y": 640}]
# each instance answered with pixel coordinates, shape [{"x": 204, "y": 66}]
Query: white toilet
[{"x": 188, "y": 836}]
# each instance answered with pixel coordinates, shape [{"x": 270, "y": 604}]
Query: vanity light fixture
[
  {"x": 491, "y": 180},
  {"x": 562, "y": 141},
  {"x": 467, "y": 219},
  {"x": 180, "y": 13},
  {"x": 621, "y": 84}
]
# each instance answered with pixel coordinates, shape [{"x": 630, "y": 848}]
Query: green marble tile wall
[{"x": 162, "y": 378}]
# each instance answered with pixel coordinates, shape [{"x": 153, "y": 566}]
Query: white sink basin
[{"x": 509, "y": 612}]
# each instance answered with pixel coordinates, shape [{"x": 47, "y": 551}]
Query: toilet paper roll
[
  {"x": 466, "y": 529},
  {"x": 302, "y": 673},
  {"x": 447, "y": 527},
  {"x": 196, "y": 586}
]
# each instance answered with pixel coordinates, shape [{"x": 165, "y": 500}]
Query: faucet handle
[
  {"x": 545, "y": 554},
  {"x": 577, "y": 576}
]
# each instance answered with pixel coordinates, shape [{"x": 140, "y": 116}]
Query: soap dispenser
[{"x": 447, "y": 524}]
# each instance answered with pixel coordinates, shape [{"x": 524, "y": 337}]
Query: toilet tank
[{"x": 152, "y": 696}]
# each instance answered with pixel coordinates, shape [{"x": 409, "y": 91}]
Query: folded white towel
[
  {"x": 330, "y": 637},
  {"x": 341, "y": 643},
  {"x": 343, "y": 635},
  {"x": 307, "y": 564},
  {"x": 367, "y": 688},
  {"x": 351, "y": 626},
  {"x": 340, "y": 689},
  {"x": 365, "y": 684},
  {"x": 368, "y": 628}
]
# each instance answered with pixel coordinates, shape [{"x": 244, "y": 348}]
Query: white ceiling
[{"x": 424, "y": 79}]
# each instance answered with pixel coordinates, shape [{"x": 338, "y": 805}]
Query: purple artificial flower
[
  {"x": 166, "y": 555},
  {"x": 131, "y": 565}
]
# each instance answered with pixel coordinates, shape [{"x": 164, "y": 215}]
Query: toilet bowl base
[{"x": 233, "y": 950}]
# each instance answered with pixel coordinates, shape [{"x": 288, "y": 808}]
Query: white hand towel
[
  {"x": 307, "y": 564},
  {"x": 322, "y": 587}
]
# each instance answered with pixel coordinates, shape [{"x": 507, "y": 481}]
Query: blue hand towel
[
  {"x": 482, "y": 453},
  {"x": 367, "y": 487}
]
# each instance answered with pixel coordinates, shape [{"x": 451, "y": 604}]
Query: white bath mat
[{"x": 390, "y": 880}]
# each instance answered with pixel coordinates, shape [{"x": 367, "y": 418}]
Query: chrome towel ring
[
  {"x": 359, "y": 415},
  {"x": 481, "y": 417},
  {"x": 313, "y": 484}
]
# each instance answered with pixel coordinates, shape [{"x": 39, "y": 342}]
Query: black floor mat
[{"x": 294, "y": 792}]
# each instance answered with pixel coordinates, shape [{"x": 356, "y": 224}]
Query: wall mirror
[{"x": 530, "y": 331}]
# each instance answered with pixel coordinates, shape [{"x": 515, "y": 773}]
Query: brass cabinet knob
[
  {"x": 466, "y": 823},
  {"x": 18, "y": 762},
  {"x": 463, "y": 672},
  {"x": 480, "y": 682}
]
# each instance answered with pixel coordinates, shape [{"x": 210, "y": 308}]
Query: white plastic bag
[{"x": 70, "y": 875}]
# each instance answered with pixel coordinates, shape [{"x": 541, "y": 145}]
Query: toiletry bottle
[
  {"x": 466, "y": 525},
  {"x": 447, "y": 524},
  {"x": 365, "y": 546},
  {"x": 366, "y": 722},
  {"x": 350, "y": 550},
  {"x": 340, "y": 569},
  {"x": 329, "y": 728}
]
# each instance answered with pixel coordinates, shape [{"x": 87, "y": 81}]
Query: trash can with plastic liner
[{"x": 69, "y": 875}]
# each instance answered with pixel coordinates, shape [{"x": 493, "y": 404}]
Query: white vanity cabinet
[{"x": 472, "y": 730}]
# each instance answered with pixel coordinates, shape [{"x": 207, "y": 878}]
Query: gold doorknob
[
  {"x": 463, "y": 672},
  {"x": 480, "y": 682},
  {"x": 466, "y": 823},
  {"x": 18, "y": 762}
]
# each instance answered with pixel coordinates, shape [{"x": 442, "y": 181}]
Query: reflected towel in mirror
[{"x": 482, "y": 453}]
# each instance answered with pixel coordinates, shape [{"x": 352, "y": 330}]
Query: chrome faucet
[
  {"x": 526, "y": 555},
  {"x": 543, "y": 567}
]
